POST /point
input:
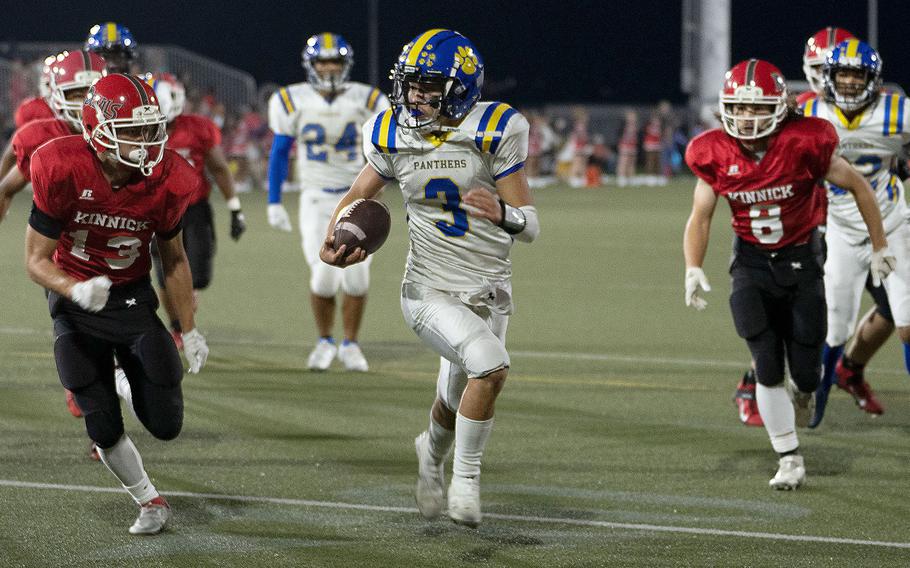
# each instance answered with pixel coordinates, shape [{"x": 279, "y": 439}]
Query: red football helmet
[
  {"x": 754, "y": 83},
  {"x": 77, "y": 70},
  {"x": 817, "y": 48},
  {"x": 121, "y": 114},
  {"x": 171, "y": 94},
  {"x": 44, "y": 83}
]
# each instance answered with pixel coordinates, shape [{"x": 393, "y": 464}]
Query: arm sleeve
[
  {"x": 49, "y": 208},
  {"x": 282, "y": 112},
  {"x": 186, "y": 184},
  {"x": 23, "y": 156},
  {"x": 512, "y": 151},
  {"x": 823, "y": 147},
  {"x": 379, "y": 160},
  {"x": 278, "y": 165}
]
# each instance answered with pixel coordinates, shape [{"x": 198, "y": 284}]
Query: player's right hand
[
  {"x": 696, "y": 286},
  {"x": 329, "y": 255},
  {"x": 195, "y": 349},
  {"x": 882, "y": 264},
  {"x": 92, "y": 294},
  {"x": 278, "y": 217}
]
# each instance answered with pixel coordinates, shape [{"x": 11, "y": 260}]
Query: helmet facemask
[
  {"x": 331, "y": 82},
  {"x": 851, "y": 88},
  {"x": 748, "y": 115},
  {"x": 67, "y": 103},
  {"x": 420, "y": 101},
  {"x": 143, "y": 136}
]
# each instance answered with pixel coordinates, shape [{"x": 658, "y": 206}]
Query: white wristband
[{"x": 233, "y": 204}]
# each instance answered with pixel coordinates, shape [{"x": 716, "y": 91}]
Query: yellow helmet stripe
[
  {"x": 852, "y": 47},
  {"x": 494, "y": 121},
  {"x": 420, "y": 44},
  {"x": 328, "y": 42},
  {"x": 111, "y": 29}
]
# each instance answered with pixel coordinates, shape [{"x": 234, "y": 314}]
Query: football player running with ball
[
  {"x": 325, "y": 116},
  {"x": 453, "y": 157},
  {"x": 766, "y": 161},
  {"x": 99, "y": 199}
]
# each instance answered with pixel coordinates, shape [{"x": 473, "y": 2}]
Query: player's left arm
[
  {"x": 843, "y": 175},
  {"x": 179, "y": 283},
  {"x": 367, "y": 185},
  {"x": 513, "y": 210},
  {"x": 11, "y": 184},
  {"x": 7, "y": 159},
  {"x": 217, "y": 164}
]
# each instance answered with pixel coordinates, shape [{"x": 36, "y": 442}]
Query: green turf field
[{"x": 616, "y": 442}]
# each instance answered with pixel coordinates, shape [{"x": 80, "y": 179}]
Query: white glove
[
  {"x": 195, "y": 349},
  {"x": 92, "y": 294},
  {"x": 278, "y": 217},
  {"x": 882, "y": 264},
  {"x": 696, "y": 286}
]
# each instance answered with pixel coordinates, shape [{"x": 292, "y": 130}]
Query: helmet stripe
[
  {"x": 328, "y": 41},
  {"x": 111, "y": 29},
  {"x": 852, "y": 48},
  {"x": 86, "y": 61},
  {"x": 143, "y": 96},
  {"x": 420, "y": 44},
  {"x": 831, "y": 36},
  {"x": 750, "y": 71}
]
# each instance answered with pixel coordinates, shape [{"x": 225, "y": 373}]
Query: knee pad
[
  {"x": 166, "y": 427},
  {"x": 104, "y": 427},
  {"x": 483, "y": 355},
  {"x": 158, "y": 358},
  {"x": 81, "y": 361},
  {"x": 325, "y": 280},
  {"x": 810, "y": 322},
  {"x": 748, "y": 310},
  {"x": 355, "y": 279}
]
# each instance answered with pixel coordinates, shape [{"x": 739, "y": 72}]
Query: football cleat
[
  {"x": 464, "y": 501},
  {"x": 153, "y": 517},
  {"x": 321, "y": 356},
  {"x": 71, "y": 404},
  {"x": 791, "y": 473},
  {"x": 803, "y": 404},
  {"x": 745, "y": 401},
  {"x": 352, "y": 357},
  {"x": 854, "y": 383},
  {"x": 431, "y": 479}
]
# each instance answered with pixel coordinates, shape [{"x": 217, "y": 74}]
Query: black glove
[{"x": 238, "y": 224}]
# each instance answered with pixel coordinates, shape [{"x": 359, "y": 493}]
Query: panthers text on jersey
[
  {"x": 192, "y": 136},
  {"x": 873, "y": 143},
  {"x": 35, "y": 133},
  {"x": 31, "y": 109},
  {"x": 327, "y": 131},
  {"x": 774, "y": 201},
  {"x": 100, "y": 230},
  {"x": 450, "y": 251}
]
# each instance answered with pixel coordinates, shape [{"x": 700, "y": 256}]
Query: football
[{"x": 364, "y": 223}]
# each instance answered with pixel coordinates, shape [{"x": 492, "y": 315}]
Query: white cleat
[
  {"x": 464, "y": 501},
  {"x": 431, "y": 479},
  {"x": 321, "y": 356},
  {"x": 352, "y": 357},
  {"x": 803, "y": 404},
  {"x": 153, "y": 517},
  {"x": 791, "y": 473}
]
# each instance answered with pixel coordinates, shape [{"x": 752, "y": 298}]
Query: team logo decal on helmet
[
  {"x": 121, "y": 118},
  {"x": 753, "y": 100},
  {"x": 327, "y": 47},
  {"x": 857, "y": 56},
  {"x": 445, "y": 60}
]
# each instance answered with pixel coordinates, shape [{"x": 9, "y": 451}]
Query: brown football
[{"x": 364, "y": 223}]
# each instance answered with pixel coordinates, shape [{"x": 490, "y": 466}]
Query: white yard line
[{"x": 515, "y": 518}]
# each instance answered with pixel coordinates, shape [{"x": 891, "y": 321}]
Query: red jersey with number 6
[
  {"x": 774, "y": 201},
  {"x": 31, "y": 136},
  {"x": 100, "y": 230},
  {"x": 193, "y": 136}
]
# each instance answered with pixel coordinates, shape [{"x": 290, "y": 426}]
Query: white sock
[
  {"x": 776, "y": 411},
  {"x": 125, "y": 463},
  {"x": 123, "y": 390},
  {"x": 441, "y": 441},
  {"x": 470, "y": 439}
]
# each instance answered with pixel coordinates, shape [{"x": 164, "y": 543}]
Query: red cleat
[
  {"x": 178, "y": 339},
  {"x": 746, "y": 403},
  {"x": 71, "y": 404},
  {"x": 854, "y": 383}
]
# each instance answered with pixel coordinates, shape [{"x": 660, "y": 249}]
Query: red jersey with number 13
[
  {"x": 774, "y": 201},
  {"x": 99, "y": 230}
]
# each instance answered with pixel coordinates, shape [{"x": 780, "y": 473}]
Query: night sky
[{"x": 568, "y": 51}]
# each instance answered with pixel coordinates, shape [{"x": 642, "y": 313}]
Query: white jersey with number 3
[
  {"x": 329, "y": 154},
  {"x": 872, "y": 142},
  {"x": 449, "y": 249}
]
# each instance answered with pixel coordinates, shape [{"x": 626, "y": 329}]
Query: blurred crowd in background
[{"x": 580, "y": 146}]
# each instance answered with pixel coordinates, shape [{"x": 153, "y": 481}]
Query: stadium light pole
[
  {"x": 872, "y": 35},
  {"x": 373, "y": 34},
  {"x": 705, "y": 52}
]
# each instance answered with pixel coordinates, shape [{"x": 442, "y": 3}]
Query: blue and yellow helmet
[
  {"x": 442, "y": 57},
  {"x": 114, "y": 43},
  {"x": 327, "y": 47},
  {"x": 857, "y": 55}
]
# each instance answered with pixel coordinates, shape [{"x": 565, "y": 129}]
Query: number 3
[
  {"x": 127, "y": 247},
  {"x": 459, "y": 225}
]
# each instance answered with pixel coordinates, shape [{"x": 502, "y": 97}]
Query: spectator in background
[
  {"x": 541, "y": 142},
  {"x": 628, "y": 150},
  {"x": 653, "y": 145},
  {"x": 581, "y": 147},
  {"x": 598, "y": 161}
]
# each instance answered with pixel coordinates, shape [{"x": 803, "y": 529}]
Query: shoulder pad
[
  {"x": 384, "y": 130},
  {"x": 492, "y": 126}
]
